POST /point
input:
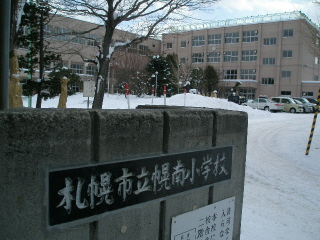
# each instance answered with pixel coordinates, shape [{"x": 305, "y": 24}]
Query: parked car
[
  {"x": 289, "y": 104},
  {"x": 307, "y": 106},
  {"x": 312, "y": 100},
  {"x": 237, "y": 99},
  {"x": 265, "y": 104},
  {"x": 263, "y": 96}
]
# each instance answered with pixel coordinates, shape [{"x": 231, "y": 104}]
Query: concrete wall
[{"x": 37, "y": 140}]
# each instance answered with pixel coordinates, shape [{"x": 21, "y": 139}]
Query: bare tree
[
  {"x": 129, "y": 67},
  {"x": 142, "y": 17}
]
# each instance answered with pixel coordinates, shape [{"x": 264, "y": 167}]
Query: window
[
  {"x": 76, "y": 68},
  {"x": 197, "y": 57},
  {"x": 308, "y": 94},
  {"x": 286, "y": 100},
  {"x": 76, "y": 38},
  {"x": 169, "y": 45},
  {"x": 143, "y": 50},
  {"x": 133, "y": 48},
  {"x": 213, "y": 57},
  {"x": 198, "y": 41},
  {"x": 286, "y": 74},
  {"x": 250, "y": 36},
  {"x": 61, "y": 34},
  {"x": 268, "y": 61},
  {"x": 90, "y": 70},
  {"x": 214, "y": 39},
  {"x": 269, "y": 41},
  {"x": 92, "y": 40},
  {"x": 285, "y": 93},
  {"x": 47, "y": 31},
  {"x": 287, "y": 33},
  {"x": 316, "y": 78},
  {"x": 230, "y": 74},
  {"x": 249, "y": 56},
  {"x": 267, "y": 81},
  {"x": 183, "y": 44},
  {"x": 287, "y": 53},
  {"x": 316, "y": 60},
  {"x": 247, "y": 92},
  {"x": 231, "y": 38},
  {"x": 230, "y": 56},
  {"x": 183, "y": 60},
  {"x": 248, "y": 74},
  {"x": 64, "y": 64}
]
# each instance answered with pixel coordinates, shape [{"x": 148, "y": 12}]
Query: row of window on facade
[
  {"x": 249, "y": 93},
  {"x": 233, "y": 56},
  {"x": 230, "y": 38},
  {"x": 81, "y": 68},
  {"x": 66, "y": 35},
  {"x": 250, "y": 74}
]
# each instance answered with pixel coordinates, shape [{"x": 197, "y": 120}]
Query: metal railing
[{"x": 295, "y": 15}]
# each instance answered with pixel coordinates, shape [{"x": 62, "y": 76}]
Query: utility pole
[{"x": 5, "y": 14}]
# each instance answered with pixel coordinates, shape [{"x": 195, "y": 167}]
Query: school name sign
[{"x": 83, "y": 192}]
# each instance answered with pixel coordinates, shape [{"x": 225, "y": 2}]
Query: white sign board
[
  {"x": 88, "y": 88},
  {"x": 212, "y": 222}
]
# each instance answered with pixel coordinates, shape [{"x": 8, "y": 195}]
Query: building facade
[
  {"x": 267, "y": 54},
  {"x": 78, "y": 41}
]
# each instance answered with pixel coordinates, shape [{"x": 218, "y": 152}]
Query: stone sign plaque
[
  {"x": 212, "y": 222},
  {"x": 82, "y": 192}
]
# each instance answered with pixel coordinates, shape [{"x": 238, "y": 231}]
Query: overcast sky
[{"x": 228, "y": 9}]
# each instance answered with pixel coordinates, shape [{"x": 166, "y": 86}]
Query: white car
[
  {"x": 289, "y": 104},
  {"x": 265, "y": 104}
]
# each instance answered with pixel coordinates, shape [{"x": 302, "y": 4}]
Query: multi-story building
[
  {"x": 267, "y": 54},
  {"x": 78, "y": 41}
]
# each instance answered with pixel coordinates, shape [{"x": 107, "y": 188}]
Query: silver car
[
  {"x": 265, "y": 104},
  {"x": 307, "y": 106}
]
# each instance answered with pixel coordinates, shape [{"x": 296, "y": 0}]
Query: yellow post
[
  {"x": 313, "y": 123},
  {"x": 64, "y": 93},
  {"x": 15, "y": 89}
]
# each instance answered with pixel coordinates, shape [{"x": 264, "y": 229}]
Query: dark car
[
  {"x": 312, "y": 100},
  {"x": 237, "y": 99}
]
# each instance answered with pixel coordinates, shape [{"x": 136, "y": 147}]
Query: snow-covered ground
[{"x": 282, "y": 184}]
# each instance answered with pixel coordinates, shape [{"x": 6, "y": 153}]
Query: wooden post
[
  {"x": 64, "y": 93},
  {"x": 15, "y": 89}
]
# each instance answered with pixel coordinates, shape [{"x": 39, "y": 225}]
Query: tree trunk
[
  {"x": 41, "y": 62},
  {"x": 104, "y": 62},
  {"x": 101, "y": 84}
]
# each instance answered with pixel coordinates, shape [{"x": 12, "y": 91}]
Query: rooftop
[{"x": 295, "y": 15}]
